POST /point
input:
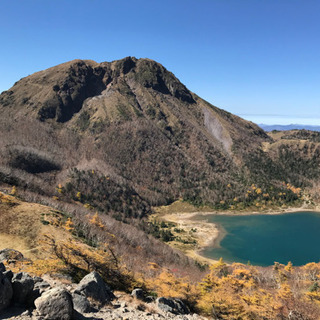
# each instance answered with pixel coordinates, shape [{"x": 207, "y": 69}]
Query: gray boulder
[
  {"x": 22, "y": 285},
  {"x": 10, "y": 254},
  {"x": 138, "y": 294},
  {"x": 175, "y": 306},
  {"x": 55, "y": 304},
  {"x": 93, "y": 287},
  {"x": 81, "y": 303},
  {"x": 5, "y": 291}
]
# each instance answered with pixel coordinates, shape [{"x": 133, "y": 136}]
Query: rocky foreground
[{"x": 25, "y": 297}]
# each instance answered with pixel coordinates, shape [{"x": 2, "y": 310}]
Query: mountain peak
[
  {"x": 133, "y": 121},
  {"x": 59, "y": 92}
]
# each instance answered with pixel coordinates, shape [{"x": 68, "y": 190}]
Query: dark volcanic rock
[
  {"x": 2, "y": 267},
  {"x": 35, "y": 294},
  {"x": 22, "y": 285},
  {"x": 8, "y": 274},
  {"x": 5, "y": 291}
]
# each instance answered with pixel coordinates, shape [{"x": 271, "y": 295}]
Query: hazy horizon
[{"x": 282, "y": 119}]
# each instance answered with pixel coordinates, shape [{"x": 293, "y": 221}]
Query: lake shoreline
[{"x": 210, "y": 234}]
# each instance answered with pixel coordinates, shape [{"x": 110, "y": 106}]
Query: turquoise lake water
[{"x": 264, "y": 239}]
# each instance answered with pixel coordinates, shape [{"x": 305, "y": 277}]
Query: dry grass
[
  {"x": 135, "y": 248},
  {"x": 23, "y": 225}
]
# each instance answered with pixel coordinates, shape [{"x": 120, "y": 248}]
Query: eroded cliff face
[{"x": 217, "y": 130}]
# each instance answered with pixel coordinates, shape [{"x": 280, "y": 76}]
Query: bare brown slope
[{"x": 28, "y": 228}]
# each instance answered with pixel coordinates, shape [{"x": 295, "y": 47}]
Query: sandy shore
[
  {"x": 205, "y": 233},
  {"x": 210, "y": 234}
]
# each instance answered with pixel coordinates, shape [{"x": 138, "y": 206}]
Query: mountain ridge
[{"x": 133, "y": 121}]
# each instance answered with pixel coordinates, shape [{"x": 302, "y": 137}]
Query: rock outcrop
[{"x": 33, "y": 298}]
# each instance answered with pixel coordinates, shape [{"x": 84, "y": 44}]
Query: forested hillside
[{"x": 128, "y": 135}]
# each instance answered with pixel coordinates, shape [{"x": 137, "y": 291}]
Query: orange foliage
[
  {"x": 69, "y": 225},
  {"x": 95, "y": 220}
]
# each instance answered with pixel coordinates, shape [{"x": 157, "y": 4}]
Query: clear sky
[{"x": 259, "y": 59}]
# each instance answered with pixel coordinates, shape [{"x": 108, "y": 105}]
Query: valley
[{"x": 106, "y": 166}]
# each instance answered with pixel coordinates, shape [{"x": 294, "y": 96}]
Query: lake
[{"x": 263, "y": 239}]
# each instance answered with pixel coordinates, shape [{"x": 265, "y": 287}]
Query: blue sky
[{"x": 256, "y": 58}]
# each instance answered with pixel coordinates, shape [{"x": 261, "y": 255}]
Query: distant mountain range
[{"x": 279, "y": 127}]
